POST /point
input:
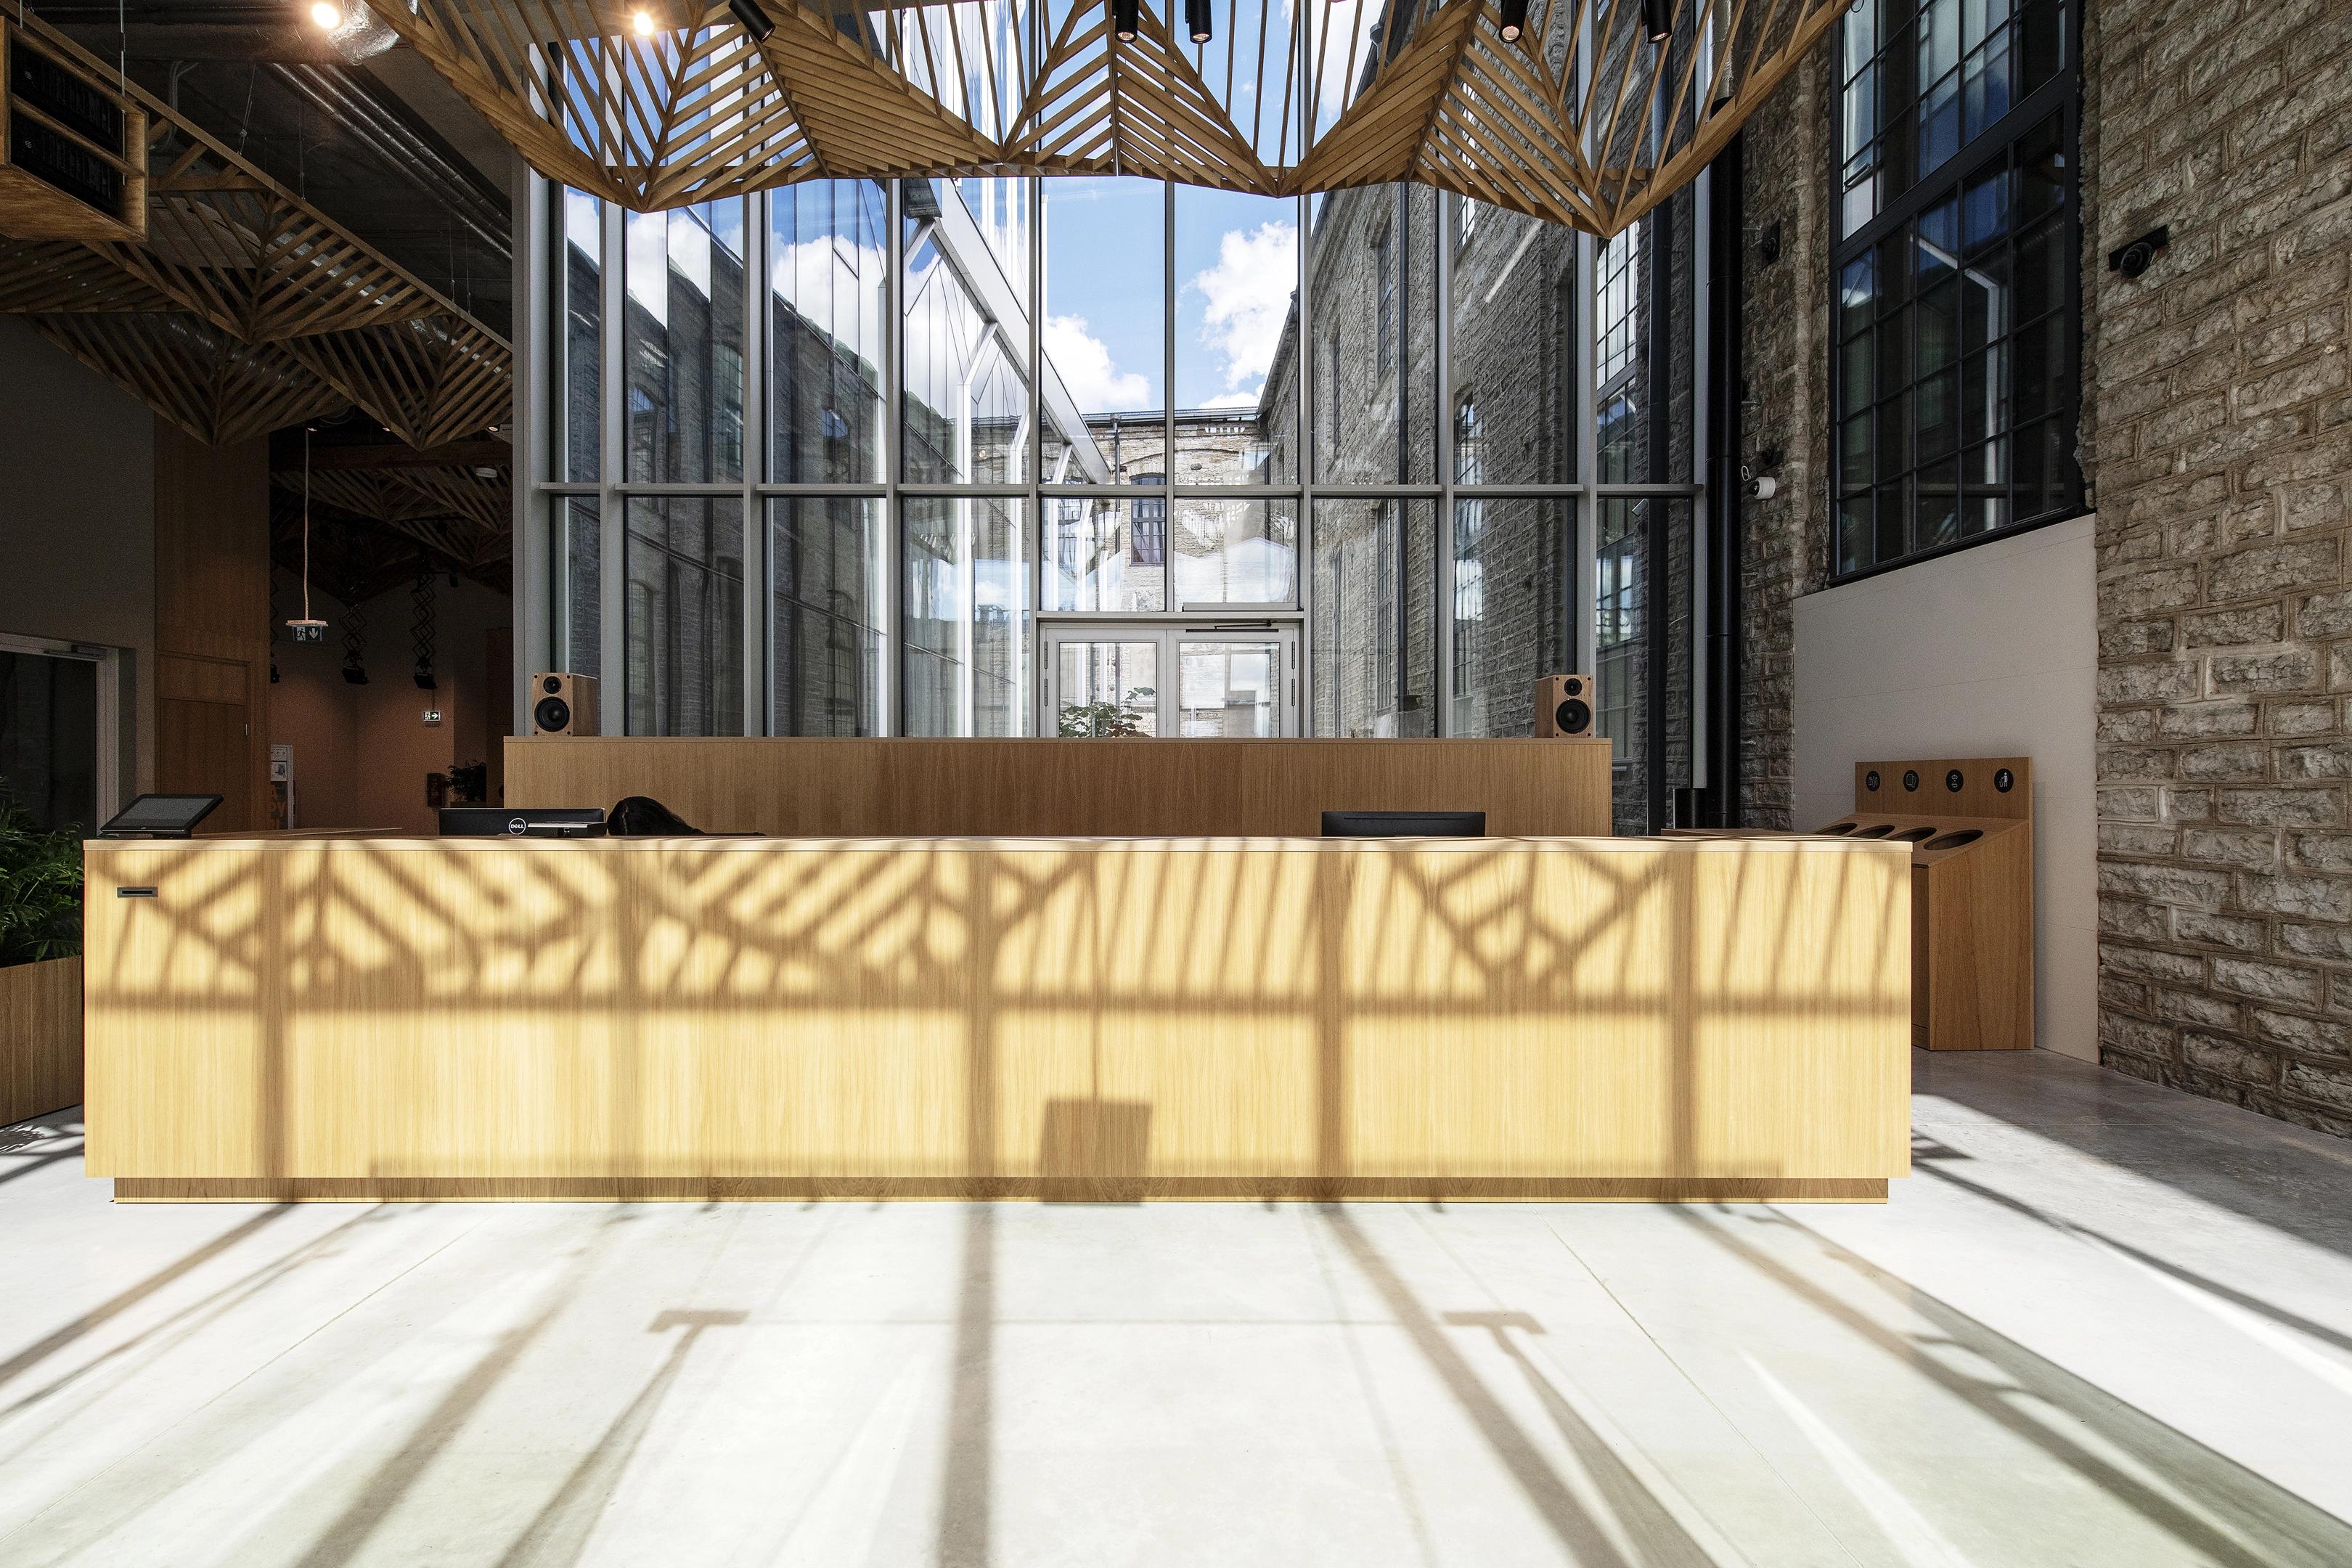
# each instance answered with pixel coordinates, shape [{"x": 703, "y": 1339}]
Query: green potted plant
[
  {"x": 1100, "y": 718},
  {"x": 40, "y": 964}
]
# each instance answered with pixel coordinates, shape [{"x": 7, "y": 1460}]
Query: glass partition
[{"x": 1441, "y": 448}]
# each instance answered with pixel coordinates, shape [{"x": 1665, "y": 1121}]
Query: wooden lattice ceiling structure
[
  {"x": 244, "y": 310},
  {"x": 1585, "y": 121}
]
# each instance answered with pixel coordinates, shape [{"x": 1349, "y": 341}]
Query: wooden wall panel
[
  {"x": 212, "y": 624},
  {"x": 1060, "y": 788},
  {"x": 919, "y": 1017},
  {"x": 40, "y": 1038}
]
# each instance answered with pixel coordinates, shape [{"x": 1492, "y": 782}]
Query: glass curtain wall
[{"x": 833, "y": 460}]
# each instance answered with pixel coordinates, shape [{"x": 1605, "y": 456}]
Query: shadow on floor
[
  {"x": 2290, "y": 1178},
  {"x": 2218, "y": 1511}
]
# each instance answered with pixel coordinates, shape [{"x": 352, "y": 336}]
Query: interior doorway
[{"x": 1147, "y": 678}]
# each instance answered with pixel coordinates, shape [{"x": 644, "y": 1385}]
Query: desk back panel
[{"x": 1069, "y": 789}]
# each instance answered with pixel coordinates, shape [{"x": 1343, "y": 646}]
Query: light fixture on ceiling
[
  {"x": 326, "y": 15},
  {"x": 751, "y": 19},
  {"x": 307, "y": 628},
  {"x": 642, "y": 23},
  {"x": 1513, "y": 20},
  {"x": 1126, "y": 19},
  {"x": 1199, "y": 16},
  {"x": 1658, "y": 19}
]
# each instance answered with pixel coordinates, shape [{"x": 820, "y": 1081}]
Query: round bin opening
[
  {"x": 1913, "y": 834},
  {"x": 1876, "y": 830},
  {"x": 1954, "y": 840},
  {"x": 1839, "y": 828}
]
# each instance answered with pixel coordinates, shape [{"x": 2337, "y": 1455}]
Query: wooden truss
[
  {"x": 259, "y": 309},
  {"x": 1586, "y": 120},
  {"x": 210, "y": 384},
  {"x": 452, "y": 512}
]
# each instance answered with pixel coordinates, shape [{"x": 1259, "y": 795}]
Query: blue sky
[{"x": 1235, "y": 267}]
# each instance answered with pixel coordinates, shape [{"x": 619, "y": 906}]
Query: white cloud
[
  {"x": 1245, "y": 299},
  {"x": 1248, "y": 400},
  {"x": 1095, "y": 382}
]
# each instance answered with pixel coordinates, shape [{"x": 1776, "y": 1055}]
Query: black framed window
[{"x": 1954, "y": 373}]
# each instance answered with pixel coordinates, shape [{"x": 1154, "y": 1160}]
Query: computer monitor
[
  {"x": 522, "y": 821},
  {"x": 1405, "y": 824},
  {"x": 160, "y": 816}
]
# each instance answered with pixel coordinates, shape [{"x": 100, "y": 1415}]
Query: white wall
[
  {"x": 1992, "y": 651},
  {"x": 78, "y": 517}
]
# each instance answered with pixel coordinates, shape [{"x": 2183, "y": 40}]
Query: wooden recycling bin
[{"x": 1969, "y": 823}]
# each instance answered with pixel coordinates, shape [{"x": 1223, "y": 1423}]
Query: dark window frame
[{"x": 2059, "y": 97}]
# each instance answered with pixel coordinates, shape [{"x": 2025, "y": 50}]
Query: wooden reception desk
[{"x": 380, "y": 1018}]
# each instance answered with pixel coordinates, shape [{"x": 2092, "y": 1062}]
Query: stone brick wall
[
  {"x": 1784, "y": 404},
  {"x": 2215, "y": 438},
  {"x": 2219, "y": 401}
]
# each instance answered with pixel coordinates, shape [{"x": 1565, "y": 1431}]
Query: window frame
[{"x": 2061, "y": 98}]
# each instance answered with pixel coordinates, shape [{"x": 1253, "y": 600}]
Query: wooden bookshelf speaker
[
  {"x": 562, "y": 704},
  {"x": 1563, "y": 705},
  {"x": 1969, "y": 823}
]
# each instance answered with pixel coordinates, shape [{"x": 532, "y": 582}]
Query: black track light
[
  {"x": 1126, "y": 19},
  {"x": 1658, "y": 18},
  {"x": 1198, "y": 15},
  {"x": 1514, "y": 18},
  {"x": 752, "y": 20}
]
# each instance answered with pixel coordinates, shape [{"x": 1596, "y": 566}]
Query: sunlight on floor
[{"x": 2103, "y": 1323}]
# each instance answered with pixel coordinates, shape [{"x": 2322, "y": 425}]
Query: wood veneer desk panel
[
  {"x": 1054, "y": 788},
  {"x": 387, "y": 1017}
]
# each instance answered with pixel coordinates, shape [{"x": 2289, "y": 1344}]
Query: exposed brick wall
[
  {"x": 1785, "y": 405},
  {"x": 2218, "y": 403},
  {"x": 2215, "y": 437}
]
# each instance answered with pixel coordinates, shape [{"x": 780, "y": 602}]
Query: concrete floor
[{"x": 2103, "y": 1323}]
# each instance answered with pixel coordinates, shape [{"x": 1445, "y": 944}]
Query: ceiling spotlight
[
  {"x": 1198, "y": 16},
  {"x": 326, "y": 15},
  {"x": 1514, "y": 19},
  {"x": 1658, "y": 19},
  {"x": 1126, "y": 19},
  {"x": 642, "y": 22},
  {"x": 751, "y": 19}
]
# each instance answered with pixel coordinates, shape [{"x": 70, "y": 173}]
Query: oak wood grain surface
[{"x": 937, "y": 1017}]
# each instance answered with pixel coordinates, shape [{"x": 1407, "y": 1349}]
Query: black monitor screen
[
  {"x": 1405, "y": 824},
  {"x": 173, "y": 814}
]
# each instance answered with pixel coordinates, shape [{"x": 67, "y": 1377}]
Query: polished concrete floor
[{"x": 2103, "y": 1323}]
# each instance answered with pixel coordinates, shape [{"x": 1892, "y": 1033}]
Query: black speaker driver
[
  {"x": 1572, "y": 686},
  {"x": 1573, "y": 716},
  {"x": 550, "y": 684},
  {"x": 552, "y": 714}
]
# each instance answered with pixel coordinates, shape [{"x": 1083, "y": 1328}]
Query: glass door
[{"x": 1208, "y": 681}]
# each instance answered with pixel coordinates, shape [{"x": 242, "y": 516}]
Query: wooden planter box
[{"x": 40, "y": 1037}]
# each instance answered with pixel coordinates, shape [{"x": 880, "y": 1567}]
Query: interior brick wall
[
  {"x": 2216, "y": 441},
  {"x": 2218, "y": 413}
]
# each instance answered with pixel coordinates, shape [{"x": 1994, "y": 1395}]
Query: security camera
[
  {"x": 2138, "y": 256},
  {"x": 1764, "y": 487}
]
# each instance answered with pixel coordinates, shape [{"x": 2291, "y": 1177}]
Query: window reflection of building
[{"x": 950, "y": 646}]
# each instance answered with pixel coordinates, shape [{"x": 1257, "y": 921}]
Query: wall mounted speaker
[
  {"x": 562, "y": 704},
  {"x": 1564, "y": 705}
]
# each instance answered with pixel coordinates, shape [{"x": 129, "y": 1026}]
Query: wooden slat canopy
[
  {"x": 245, "y": 310},
  {"x": 1585, "y": 120}
]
